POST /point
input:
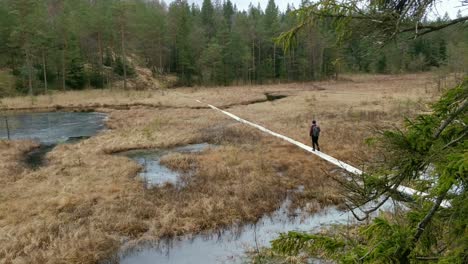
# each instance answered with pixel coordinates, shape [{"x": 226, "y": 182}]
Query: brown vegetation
[
  {"x": 12, "y": 153},
  {"x": 85, "y": 202}
]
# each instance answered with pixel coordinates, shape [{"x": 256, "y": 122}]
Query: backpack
[{"x": 315, "y": 131}]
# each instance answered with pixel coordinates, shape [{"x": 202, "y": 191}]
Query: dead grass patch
[
  {"x": 182, "y": 162},
  {"x": 12, "y": 153}
]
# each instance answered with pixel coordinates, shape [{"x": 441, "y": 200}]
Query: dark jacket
[{"x": 314, "y": 131}]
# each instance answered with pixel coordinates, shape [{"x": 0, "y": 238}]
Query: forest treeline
[{"x": 72, "y": 44}]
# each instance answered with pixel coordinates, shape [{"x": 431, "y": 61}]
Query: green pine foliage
[
  {"x": 212, "y": 64},
  {"x": 76, "y": 75},
  {"x": 119, "y": 67},
  {"x": 96, "y": 77},
  {"x": 178, "y": 38},
  {"x": 7, "y": 83}
]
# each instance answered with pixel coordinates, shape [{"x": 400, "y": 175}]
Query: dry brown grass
[
  {"x": 83, "y": 205},
  {"x": 12, "y": 153}
]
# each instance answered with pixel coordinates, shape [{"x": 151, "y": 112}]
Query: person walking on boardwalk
[{"x": 314, "y": 134}]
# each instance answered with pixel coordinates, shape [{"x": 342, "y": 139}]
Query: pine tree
[
  {"x": 7, "y": 23},
  {"x": 207, "y": 18},
  {"x": 228, "y": 13},
  {"x": 271, "y": 28},
  {"x": 180, "y": 28},
  {"x": 121, "y": 14},
  {"x": 27, "y": 34},
  {"x": 211, "y": 63}
]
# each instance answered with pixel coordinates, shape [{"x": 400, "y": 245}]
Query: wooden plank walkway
[{"x": 336, "y": 162}]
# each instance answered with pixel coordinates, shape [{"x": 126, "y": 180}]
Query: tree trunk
[
  {"x": 451, "y": 117},
  {"x": 253, "y": 62},
  {"x": 259, "y": 62},
  {"x": 161, "y": 69},
  {"x": 124, "y": 57},
  {"x": 64, "y": 48},
  {"x": 422, "y": 226},
  {"x": 312, "y": 64},
  {"x": 285, "y": 66},
  {"x": 293, "y": 63},
  {"x": 28, "y": 62},
  {"x": 101, "y": 57},
  {"x": 101, "y": 51},
  {"x": 63, "y": 70},
  {"x": 337, "y": 70},
  {"x": 274, "y": 61},
  {"x": 7, "y": 127},
  {"x": 44, "y": 71},
  {"x": 110, "y": 74},
  {"x": 321, "y": 69},
  {"x": 108, "y": 80}
]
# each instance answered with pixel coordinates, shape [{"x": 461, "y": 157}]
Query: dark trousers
[{"x": 315, "y": 143}]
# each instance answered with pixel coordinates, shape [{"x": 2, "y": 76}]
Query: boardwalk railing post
[{"x": 7, "y": 127}]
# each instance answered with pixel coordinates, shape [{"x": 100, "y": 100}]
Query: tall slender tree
[
  {"x": 208, "y": 18},
  {"x": 24, "y": 34},
  {"x": 121, "y": 11}
]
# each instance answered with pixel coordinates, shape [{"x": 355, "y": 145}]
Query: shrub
[
  {"x": 96, "y": 78},
  {"x": 7, "y": 82},
  {"x": 51, "y": 76},
  {"x": 76, "y": 76},
  {"x": 119, "y": 67}
]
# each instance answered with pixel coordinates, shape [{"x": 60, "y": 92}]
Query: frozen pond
[
  {"x": 154, "y": 173},
  {"x": 51, "y": 127},
  {"x": 231, "y": 245}
]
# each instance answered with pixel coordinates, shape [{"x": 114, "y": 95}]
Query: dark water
[
  {"x": 154, "y": 173},
  {"x": 230, "y": 246},
  {"x": 52, "y": 127},
  {"x": 274, "y": 97},
  {"x": 36, "y": 158}
]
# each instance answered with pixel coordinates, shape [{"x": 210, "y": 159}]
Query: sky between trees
[{"x": 449, "y": 6}]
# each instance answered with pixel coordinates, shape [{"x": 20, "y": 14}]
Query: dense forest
[{"x": 73, "y": 44}]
